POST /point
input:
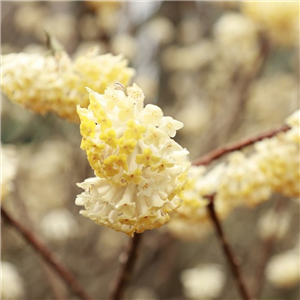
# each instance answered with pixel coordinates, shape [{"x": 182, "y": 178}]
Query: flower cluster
[
  {"x": 287, "y": 261},
  {"x": 211, "y": 276},
  {"x": 279, "y": 159},
  {"x": 12, "y": 284},
  {"x": 236, "y": 38},
  {"x": 139, "y": 169},
  {"x": 280, "y": 21},
  {"x": 242, "y": 180},
  {"x": 56, "y": 84},
  {"x": 185, "y": 221}
]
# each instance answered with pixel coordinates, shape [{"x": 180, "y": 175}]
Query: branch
[
  {"x": 219, "y": 152},
  {"x": 42, "y": 250},
  {"x": 123, "y": 277},
  {"x": 232, "y": 260}
]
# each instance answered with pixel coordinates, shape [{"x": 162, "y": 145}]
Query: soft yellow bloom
[
  {"x": 56, "y": 84},
  {"x": 140, "y": 170},
  {"x": 12, "y": 284},
  {"x": 283, "y": 269},
  {"x": 278, "y": 158},
  {"x": 279, "y": 20},
  {"x": 211, "y": 277},
  {"x": 191, "y": 220},
  {"x": 236, "y": 37},
  {"x": 243, "y": 181}
]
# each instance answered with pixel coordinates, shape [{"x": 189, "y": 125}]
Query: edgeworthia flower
[
  {"x": 56, "y": 84},
  {"x": 191, "y": 220},
  {"x": 139, "y": 169},
  {"x": 278, "y": 157}
]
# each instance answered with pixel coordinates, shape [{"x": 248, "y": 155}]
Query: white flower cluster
[
  {"x": 59, "y": 225},
  {"x": 139, "y": 169},
  {"x": 243, "y": 180},
  {"x": 278, "y": 158},
  {"x": 278, "y": 20},
  {"x": 236, "y": 37},
  {"x": 185, "y": 220},
  {"x": 289, "y": 262},
  {"x": 203, "y": 281},
  {"x": 12, "y": 286},
  {"x": 56, "y": 84}
]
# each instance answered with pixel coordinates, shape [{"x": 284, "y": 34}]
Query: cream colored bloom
[
  {"x": 58, "y": 225},
  {"x": 283, "y": 269},
  {"x": 140, "y": 170},
  {"x": 191, "y": 220},
  {"x": 273, "y": 224},
  {"x": 9, "y": 165},
  {"x": 243, "y": 181},
  {"x": 55, "y": 83},
  {"x": 203, "y": 282},
  {"x": 279, "y": 20},
  {"x": 236, "y": 37},
  {"x": 11, "y": 282},
  {"x": 278, "y": 158}
]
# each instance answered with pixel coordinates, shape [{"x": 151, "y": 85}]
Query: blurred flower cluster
[
  {"x": 61, "y": 83},
  {"x": 273, "y": 167}
]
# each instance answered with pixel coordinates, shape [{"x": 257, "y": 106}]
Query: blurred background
[{"x": 225, "y": 69}]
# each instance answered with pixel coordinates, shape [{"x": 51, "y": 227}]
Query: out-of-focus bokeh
[{"x": 225, "y": 69}]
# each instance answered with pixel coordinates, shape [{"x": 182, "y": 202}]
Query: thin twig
[
  {"x": 42, "y": 250},
  {"x": 217, "y": 153},
  {"x": 128, "y": 258},
  {"x": 232, "y": 260}
]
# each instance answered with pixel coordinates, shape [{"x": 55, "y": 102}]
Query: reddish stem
[
  {"x": 232, "y": 260},
  {"x": 42, "y": 250},
  {"x": 123, "y": 277},
  {"x": 219, "y": 152}
]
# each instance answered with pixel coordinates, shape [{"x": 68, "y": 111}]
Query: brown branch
[
  {"x": 42, "y": 250},
  {"x": 123, "y": 277},
  {"x": 232, "y": 260},
  {"x": 219, "y": 152}
]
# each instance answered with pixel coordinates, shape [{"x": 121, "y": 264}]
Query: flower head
[
  {"x": 139, "y": 169},
  {"x": 191, "y": 220},
  {"x": 243, "y": 181},
  {"x": 55, "y": 83},
  {"x": 12, "y": 285},
  {"x": 280, "y": 20},
  {"x": 212, "y": 280}
]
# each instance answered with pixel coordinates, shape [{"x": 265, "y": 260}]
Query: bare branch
[
  {"x": 219, "y": 152},
  {"x": 128, "y": 257},
  {"x": 42, "y": 250},
  {"x": 228, "y": 252}
]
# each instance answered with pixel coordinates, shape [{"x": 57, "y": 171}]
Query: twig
[
  {"x": 123, "y": 277},
  {"x": 228, "y": 251},
  {"x": 217, "y": 153},
  {"x": 41, "y": 249}
]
